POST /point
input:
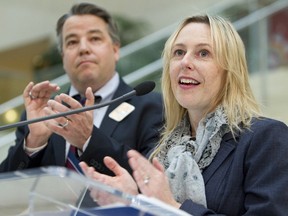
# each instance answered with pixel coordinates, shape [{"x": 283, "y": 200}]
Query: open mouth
[{"x": 188, "y": 82}]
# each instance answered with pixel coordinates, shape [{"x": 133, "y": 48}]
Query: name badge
[{"x": 122, "y": 111}]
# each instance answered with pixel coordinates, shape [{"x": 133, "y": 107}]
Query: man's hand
[
  {"x": 75, "y": 128},
  {"x": 35, "y": 98}
]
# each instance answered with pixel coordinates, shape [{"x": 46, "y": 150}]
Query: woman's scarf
[{"x": 185, "y": 158}]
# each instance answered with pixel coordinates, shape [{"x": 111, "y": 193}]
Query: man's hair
[{"x": 88, "y": 9}]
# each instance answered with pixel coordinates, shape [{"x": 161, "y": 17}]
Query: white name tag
[{"x": 122, "y": 111}]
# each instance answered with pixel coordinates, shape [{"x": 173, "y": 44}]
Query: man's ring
[
  {"x": 31, "y": 96},
  {"x": 146, "y": 180},
  {"x": 65, "y": 124}
]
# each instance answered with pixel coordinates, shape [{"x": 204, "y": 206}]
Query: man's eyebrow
[
  {"x": 70, "y": 36},
  {"x": 93, "y": 31}
]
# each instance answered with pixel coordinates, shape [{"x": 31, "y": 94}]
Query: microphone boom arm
[{"x": 83, "y": 109}]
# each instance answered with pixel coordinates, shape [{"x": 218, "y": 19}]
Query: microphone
[{"x": 141, "y": 89}]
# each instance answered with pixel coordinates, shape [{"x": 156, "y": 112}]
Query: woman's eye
[
  {"x": 204, "y": 53},
  {"x": 178, "y": 52}
]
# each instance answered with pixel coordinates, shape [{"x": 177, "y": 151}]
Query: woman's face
[{"x": 195, "y": 76}]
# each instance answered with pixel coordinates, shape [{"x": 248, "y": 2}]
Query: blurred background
[{"x": 28, "y": 46}]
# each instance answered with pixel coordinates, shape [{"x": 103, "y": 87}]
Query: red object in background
[{"x": 278, "y": 37}]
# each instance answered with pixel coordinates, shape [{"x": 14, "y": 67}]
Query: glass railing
[
  {"x": 137, "y": 59},
  {"x": 141, "y": 60}
]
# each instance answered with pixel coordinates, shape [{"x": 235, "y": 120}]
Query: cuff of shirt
[
  {"x": 84, "y": 146},
  {"x": 32, "y": 151}
]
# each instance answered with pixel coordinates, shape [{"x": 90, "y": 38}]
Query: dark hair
[{"x": 88, "y": 9}]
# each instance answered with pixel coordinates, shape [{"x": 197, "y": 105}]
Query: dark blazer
[
  {"x": 248, "y": 176},
  {"x": 139, "y": 130}
]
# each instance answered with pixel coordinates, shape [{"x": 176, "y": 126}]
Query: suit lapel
[
  {"x": 224, "y": 151},
  {"x": 108, "y": 125}
]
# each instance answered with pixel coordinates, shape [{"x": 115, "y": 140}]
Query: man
[{"x": 89, "y": 45}]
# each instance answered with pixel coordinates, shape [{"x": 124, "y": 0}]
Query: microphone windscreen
[{"x": 144, "y": 88}]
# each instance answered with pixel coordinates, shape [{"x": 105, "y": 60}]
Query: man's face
[{"x": 89, "y": 54}]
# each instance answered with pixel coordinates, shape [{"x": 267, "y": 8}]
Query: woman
[{"x": 217, "y": 154}]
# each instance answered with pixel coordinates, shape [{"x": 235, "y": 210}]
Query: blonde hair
[{"x": 236, "y": 96}]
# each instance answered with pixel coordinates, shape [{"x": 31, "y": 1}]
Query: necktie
[
  {"x": 82, "y": 100},
  {"x": 72, "y": 161}
]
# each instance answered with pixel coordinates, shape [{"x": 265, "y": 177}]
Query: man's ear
[{"x": 116, "y": 48}]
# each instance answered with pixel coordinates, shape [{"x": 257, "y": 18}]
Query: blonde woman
[{"x": 218, "y": 155}]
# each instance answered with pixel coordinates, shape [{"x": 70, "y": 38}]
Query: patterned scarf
[{"x": 184, "y": 158}]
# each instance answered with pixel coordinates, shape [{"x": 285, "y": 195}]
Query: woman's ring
[{"x": 146, "y": 180}]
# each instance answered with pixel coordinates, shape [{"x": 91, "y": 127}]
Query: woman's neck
[{"x": 194, "y": 120}]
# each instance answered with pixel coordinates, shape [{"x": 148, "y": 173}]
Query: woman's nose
[{"x": 188, "y": 61}]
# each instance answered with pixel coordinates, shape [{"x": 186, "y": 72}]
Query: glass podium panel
[{"x": 59, "y": 191}]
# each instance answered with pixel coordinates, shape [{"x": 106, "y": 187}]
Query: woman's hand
[
  {"x": 151, "y": 178},
  {"x": 122, "y": 181}
]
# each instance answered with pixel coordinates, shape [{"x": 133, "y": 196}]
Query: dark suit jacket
[
  {"x": 139, "y": 130},
  {"x": 248, "y": 176}
]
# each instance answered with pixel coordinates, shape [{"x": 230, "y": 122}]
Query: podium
[{"x": 58, "y": 191}]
